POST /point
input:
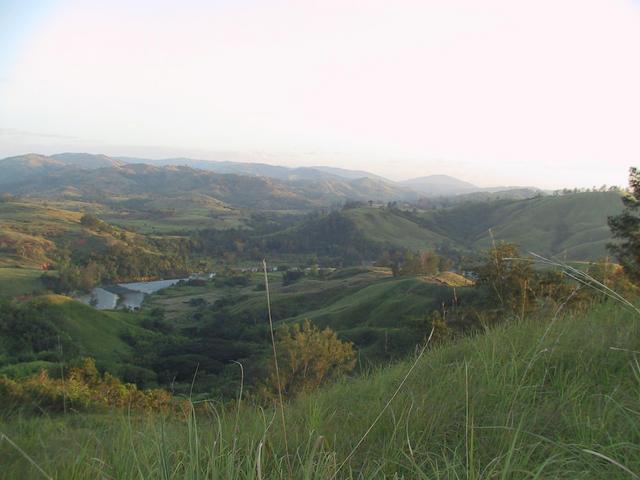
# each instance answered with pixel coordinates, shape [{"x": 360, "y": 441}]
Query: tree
[
  {"x": 625, "y": 228},
  {"x": 435, "y": 320},
  {"x": 90, "y": 221},
  {"x": 508, "y": 276},
  {"x": 308, "y": 358}
]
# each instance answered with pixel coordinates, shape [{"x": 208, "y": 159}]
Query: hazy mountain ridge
[
  {"x": 59, "y": 176},
  {"x": 436, "y": 185},
  {"x": 269, "y": 186}
]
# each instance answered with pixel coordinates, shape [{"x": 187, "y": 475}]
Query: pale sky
[{"x": 496, "y": 92}]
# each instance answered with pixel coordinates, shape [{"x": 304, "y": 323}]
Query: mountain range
[{"x": 241, "y": 184}]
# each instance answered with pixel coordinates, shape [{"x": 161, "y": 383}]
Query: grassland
[
  {"x": 92, "y": 333},
  {"x": 20, "y": 281},
  {"x": 570, "y": 226},
  {"x": 547, "y": 397},
  {"x": 95, "y": 332},
  {"x": 384, "y": 226}
]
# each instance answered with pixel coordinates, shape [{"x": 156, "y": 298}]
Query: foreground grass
[{"x": 537, "y": 399}]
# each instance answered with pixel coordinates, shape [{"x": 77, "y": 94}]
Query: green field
[
  {"x": 544, "y": 398},
  {"x": 95, "y": 332},
  {"x": 20, "y": 281}
]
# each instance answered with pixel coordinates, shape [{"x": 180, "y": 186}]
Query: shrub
[
  {"x": 84, "y": 388},
  {"x": 308, "y": 358},
  {"x": 291, "y": 276}
]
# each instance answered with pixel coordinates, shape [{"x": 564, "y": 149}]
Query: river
[{"x": 124, "y": 295}]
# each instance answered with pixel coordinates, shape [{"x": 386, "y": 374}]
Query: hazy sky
[{"x": 543, "y": 92}]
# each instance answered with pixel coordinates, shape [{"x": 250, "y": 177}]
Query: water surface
[{"x": 124, "y": 295}]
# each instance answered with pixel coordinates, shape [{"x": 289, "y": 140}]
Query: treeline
[
  {"x": 408, "y": 262},
  {"x": 332, "y": 238}
]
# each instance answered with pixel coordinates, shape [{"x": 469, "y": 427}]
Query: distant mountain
[
  {"x": 512, "y": 193},
  {"x": 24, "y": 168},
  {"x": 87, "y": 160},
  {"x": 439, "y": 185},
  {"x": 260, "y": 169},
  {"x": 237, "y": 168},
  {"x": 103, "y": 178},
  {"x": 79, "y": 174},
  {"x": 350, "y": 174}
]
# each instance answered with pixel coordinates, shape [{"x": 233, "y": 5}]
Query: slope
[
  {"x": 84, "y": 331},
  {"x": 543, "y": 398},
  {"x": 388, "y": 226},
  {"x": 573, "y": 226}
]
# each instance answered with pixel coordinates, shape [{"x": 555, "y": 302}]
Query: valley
[{"x": 166, "y": 260}]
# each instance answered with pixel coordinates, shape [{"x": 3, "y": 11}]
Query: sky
[{"x": 498, "y": 92}]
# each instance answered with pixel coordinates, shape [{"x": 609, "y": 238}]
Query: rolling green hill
[
  {"x": 572, "y": 226},
  {"x": 382, "y": 225},
  {"x": 58, "y": 321},
  {"x": 96, "y": 333},
  {"x": 376, "y": 311}
]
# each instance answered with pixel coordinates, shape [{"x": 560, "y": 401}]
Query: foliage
[
  {"x": 29, "y": 332},
  {"x": 407, "y": 262},
  {"x": 332, "y": 237},
  {"x": 308, "y": 358},
  {"x": 82, "y": 388},
  {"x": 291, "y": 276},
  {"x": 509, "y": 278},
  {"x": 92, "y": 222},
  {"x": 625, "y": 228}
]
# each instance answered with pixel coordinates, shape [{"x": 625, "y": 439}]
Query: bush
[
  {"x": 291, "y": 276},
  {"x": 84, "y": 388},
  {"x": 308, "y": 358}
]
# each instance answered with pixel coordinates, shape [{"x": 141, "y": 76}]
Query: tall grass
[{"x": 531, "y": 399}]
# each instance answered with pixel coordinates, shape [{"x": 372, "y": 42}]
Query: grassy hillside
[
  {"x": 96, "y": 333},
  {"x": 543, "y": 398},
  {"x": 572, "y": 225},
  {"x": 28, "y": 232},
  {"x": 385, "y": 226},
  {"x": 20, "y": 281},
  {"x": 92, "y": 333},
  {"x": 36, "y": 236},
  {"x": 379, "y": 313}
]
